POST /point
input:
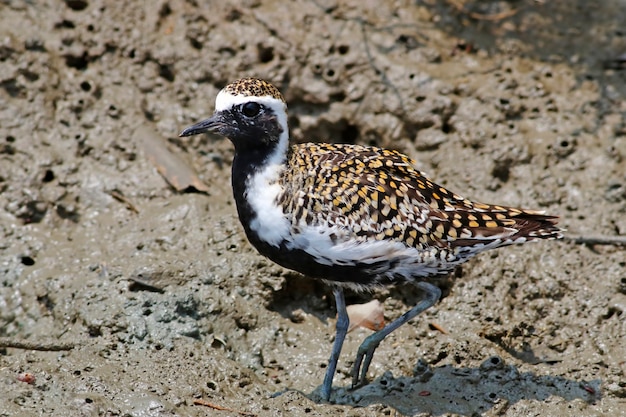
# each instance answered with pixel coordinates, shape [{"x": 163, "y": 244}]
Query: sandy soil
[{"x": 153, "y": 298}]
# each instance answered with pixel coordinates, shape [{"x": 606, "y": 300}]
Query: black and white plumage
[{"x": 353, "y": 216}]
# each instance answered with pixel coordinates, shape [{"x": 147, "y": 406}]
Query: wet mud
[{"x": 123, "y": 296}]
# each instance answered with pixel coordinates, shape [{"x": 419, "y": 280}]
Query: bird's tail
[{"x": 494, "y": 226}]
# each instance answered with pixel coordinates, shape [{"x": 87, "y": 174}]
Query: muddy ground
[{"x": 145, "y": 299}]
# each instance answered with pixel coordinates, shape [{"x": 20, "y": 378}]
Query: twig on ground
[
  {"x": 122, "y": 199},
  {"x": 460, "y": 6},
  {"x": 199, "y": 401},
  {"x": 7, "y": 342},
  {"x": 598, "y": 240}
]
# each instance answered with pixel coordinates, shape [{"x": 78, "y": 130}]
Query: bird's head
[{"x": 251, "y": 113}]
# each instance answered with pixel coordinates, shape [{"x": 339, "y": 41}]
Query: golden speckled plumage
[
  {"x": 253, "y": 87},
  {"x": 374, "y": 193}
]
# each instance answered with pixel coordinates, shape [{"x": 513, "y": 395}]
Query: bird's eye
[{"x": 251, "y": 109}]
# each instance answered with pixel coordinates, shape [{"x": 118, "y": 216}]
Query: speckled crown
[{"x": 253, "y": 87}]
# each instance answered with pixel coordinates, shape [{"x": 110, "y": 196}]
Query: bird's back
[{"x": 370, "y": 208}]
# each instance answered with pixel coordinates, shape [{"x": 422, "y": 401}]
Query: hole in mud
[
  {"x": 77, "y": 5},
  {"x": 34, "y": 45},
  {"x": 165, "y": 10},
  {"x": 10, "y": 139},
  {"x": 113, "y": 112},
  {"x": 501, "y": 171},
  {"x": 265, "y": 53},
  {"x": 195, "y": 43},
  {"x": 233, "y": 15},
  {"x": 166, "y": 72},
  {"x": 78, "y": 62},
  {"x": 94, "y": 331},
  {"x": 12, "y": 88},
  {"x": 65, "y": 24},
  {"x": 217, "y": 344},
  {"x": 33, "y": 211},
  {"x": 330, "y": 73},
  {"x": 294, "y": 121},
  {"x": 343, "y": 49},
  {"x": 30, "y": 76},
  {"x": 612, "y": 311},
  {"x": 338, "y": 96},
  {"x": 440, "y": 356},
  {"x": 349, "y": 134},
  {"x": 48, "y": 176},
  {"x": 85, "y": 86},
  {"x": 406, "y": 39},
  {"x": 28, "y": 261}
]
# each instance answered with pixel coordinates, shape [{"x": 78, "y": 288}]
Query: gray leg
[
  {"x": 366, "y": 350},
  {"x": 342, "y": 328}
]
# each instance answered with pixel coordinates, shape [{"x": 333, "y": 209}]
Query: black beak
[{"x": 212, "y": 124}]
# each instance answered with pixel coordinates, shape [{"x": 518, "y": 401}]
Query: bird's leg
[
  {"x": 342, "y": 328},
  {"x": 366, "y": 350}
]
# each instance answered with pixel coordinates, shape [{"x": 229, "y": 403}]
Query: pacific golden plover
[{"x": 353, "y": 216}]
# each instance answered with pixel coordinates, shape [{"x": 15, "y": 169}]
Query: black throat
[{"x": 256, "y": 140}]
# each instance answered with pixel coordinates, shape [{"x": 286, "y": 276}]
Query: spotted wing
[{"x": 375, "y": 194}]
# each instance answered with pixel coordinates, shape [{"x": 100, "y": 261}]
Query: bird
[{"x": 356, "y": 217}]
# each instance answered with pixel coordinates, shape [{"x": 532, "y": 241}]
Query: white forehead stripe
[{"x": 225, "y": 101}]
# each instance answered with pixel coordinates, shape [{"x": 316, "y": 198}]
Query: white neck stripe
[{"x": 262, "y": 188}]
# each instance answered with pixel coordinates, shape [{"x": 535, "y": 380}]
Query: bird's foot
[{"x": 364, "y": 357}]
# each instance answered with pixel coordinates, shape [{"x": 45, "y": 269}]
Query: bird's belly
[{"x": 358, "y": 264}]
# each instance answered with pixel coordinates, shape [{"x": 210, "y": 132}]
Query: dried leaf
[
  {"x": 200, "y": 401},
  {"x": 369, "y": 315},
  {"x": 438, "y": 327},
  {"x": 176, "y": 171}
]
